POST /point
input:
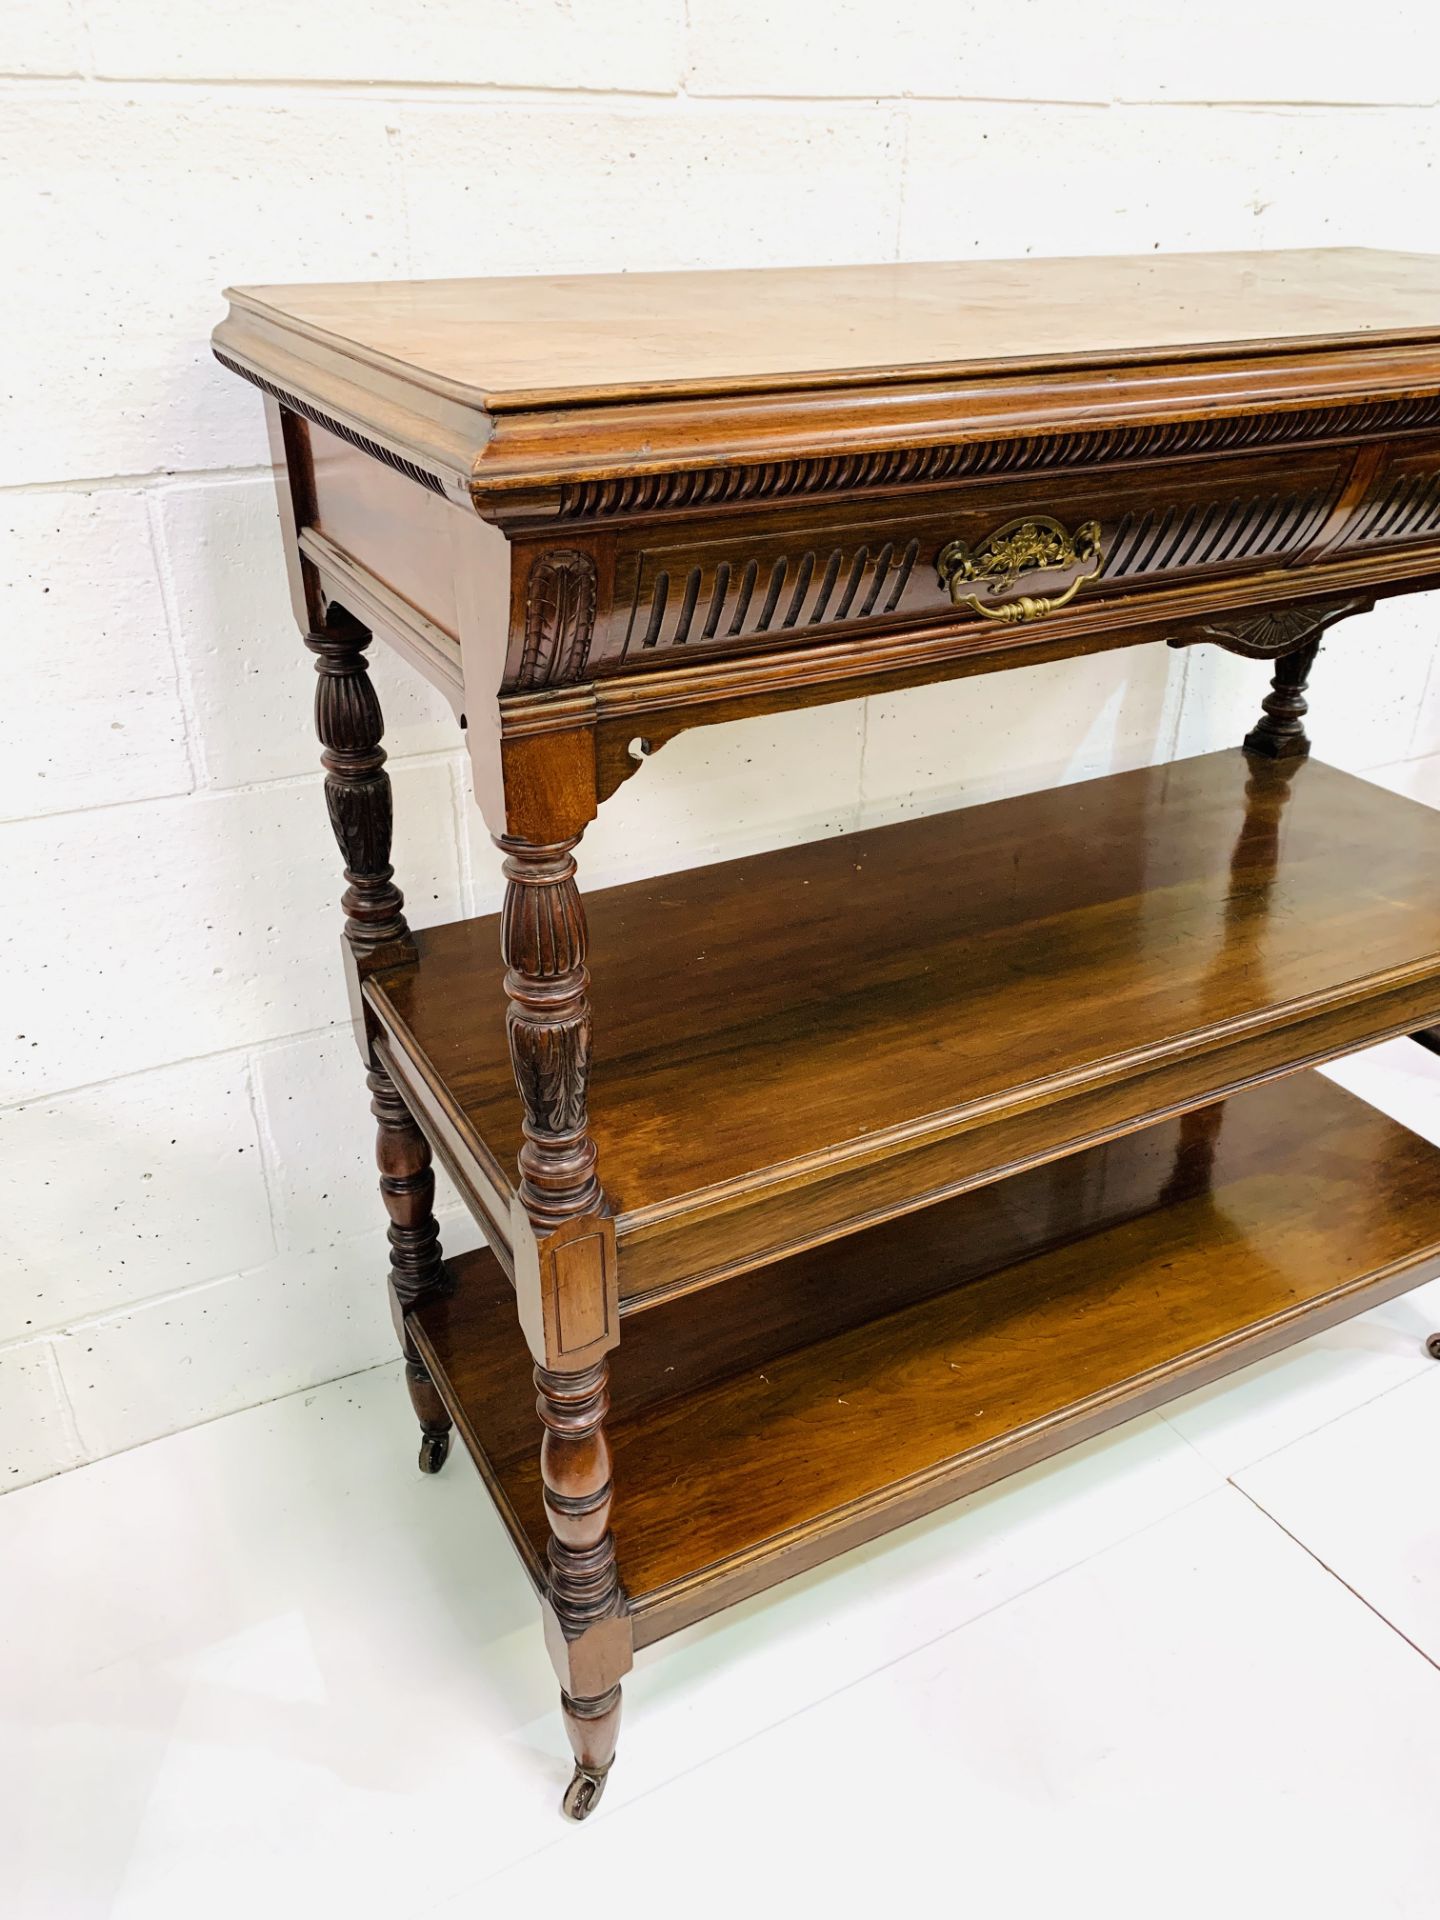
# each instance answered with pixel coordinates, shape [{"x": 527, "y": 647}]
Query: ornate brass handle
[{"x": 1035, "y": 544}]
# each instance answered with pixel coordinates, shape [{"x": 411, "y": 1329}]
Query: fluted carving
[
  {"x": 917, "y": 466},
  {"x": 543, "y": 942},
  {"x": 357, "y": 798},
  {"x": 292, "y": 403},
  {"x": 566, "y": 1286},
  {"x": 357, "y": 787}
]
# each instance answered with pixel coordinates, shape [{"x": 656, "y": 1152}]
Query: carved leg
[
  {"x": 584, "y": 1582},
  {"x": 1279, "y": 733},
  {"x": 357, "y": 797},
  {"x": 565, "y": 1283},
  {"x": 407, "y": 1186}
]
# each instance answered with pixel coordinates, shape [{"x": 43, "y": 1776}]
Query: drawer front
[
  {"x": 1403, "y": 505},
  {"x": 797, "y": 573}
]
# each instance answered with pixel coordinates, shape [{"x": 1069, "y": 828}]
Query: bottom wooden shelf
[{"x": 763, "y": 1425}]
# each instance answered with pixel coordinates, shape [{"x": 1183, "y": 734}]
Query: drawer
[{"x": 798, "y": 573}]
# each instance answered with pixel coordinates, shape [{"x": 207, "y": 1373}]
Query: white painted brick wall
[{"x": 184, "y": 1143}]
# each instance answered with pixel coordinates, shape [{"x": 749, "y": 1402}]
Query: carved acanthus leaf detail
[
  {"x": 552, "y": 1070},
  {"x": 559, "y": 619}
]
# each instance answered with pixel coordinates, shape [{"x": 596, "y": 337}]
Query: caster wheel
[
  {"x": 1432, "y": 1346},
  {"x": 582, "y": 1796},
  {"x": 434, "y": 1451}
]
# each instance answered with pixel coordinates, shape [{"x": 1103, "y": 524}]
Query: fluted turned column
[
  {"x": 358, "y": 799},
  {"x": 571, "y": 1322}
]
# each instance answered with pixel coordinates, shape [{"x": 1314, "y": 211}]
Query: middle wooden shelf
[{"x": 795, "y": 1045}]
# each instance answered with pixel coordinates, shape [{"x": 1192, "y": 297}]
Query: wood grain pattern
[
  {"x": 953, "y": 994},
  {"x": 758, "y": 1430},
  {"x": 942, "y": 1103},
  {"x": 732, "y": 581},
  {"x": 567, "y": 340},
  {"x": 783, "y": 377},
  {"x": 358, "y": 800},
  {"x": 357, "y": 787}
]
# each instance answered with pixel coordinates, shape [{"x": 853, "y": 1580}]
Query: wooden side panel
[{"x": 398, "y": 531}]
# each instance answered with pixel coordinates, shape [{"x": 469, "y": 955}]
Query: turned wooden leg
[
  {"x": 584, "y": 1582},
  {"x": 357, "y": 797},
  {"x": 1279, "y": 733},
  {"x": 567, "y": 1296},
  {"x": 593, "y": 1727},
  {"x": 417, "y": 1272},
  {"x": 543, "y": 941}
]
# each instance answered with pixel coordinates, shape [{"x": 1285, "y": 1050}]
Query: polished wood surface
[
  {"x": 758, "y": 1430},
  {"x": 567, "y": 339},
  {"x": 1245, "y": 433},
  {"x": 358, "y": 800},
  {"x": 487, "y": 388},
  {"x": 1020, "y": 969},
  {"x": 940, "y": 1104}
]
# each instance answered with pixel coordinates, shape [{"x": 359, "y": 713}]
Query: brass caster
[
  {"x": 1432, "y": 1346},
  {"x": 434, "y": 1451},
  {"x": 582, "y": 1796}
]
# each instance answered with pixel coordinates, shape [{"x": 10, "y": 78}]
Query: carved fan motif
[{"x": 1279, "y": 630}]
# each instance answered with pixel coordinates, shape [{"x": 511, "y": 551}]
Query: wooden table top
[{"x": 550, "y": 340}]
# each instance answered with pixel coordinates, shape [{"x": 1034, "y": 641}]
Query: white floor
[{"x": 263, "y": 1668}]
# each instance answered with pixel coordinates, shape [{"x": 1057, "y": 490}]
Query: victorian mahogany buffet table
[{"x": 887, "y": 1165}]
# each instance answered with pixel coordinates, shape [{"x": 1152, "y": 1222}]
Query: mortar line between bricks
[
  {"x": 68, "y": 1414},
  {"x": 351, "y": 88},
  {"x": 184, "y": 690},
  {"x": 208, "y": 1420},
  {"x": 169, "y": 479},
  {"x": 428, "y": 757},
  {"x": 266, "y": 1148},
  {"x": 455, "y": 1214},
  {"x": 1405, "y": 760},
  {"x": 1076, "y": 101},
  {"x": 347, "y": 87},
  {"x": 83, "y": 1323},
  {"x": 247, "y": 1049}
]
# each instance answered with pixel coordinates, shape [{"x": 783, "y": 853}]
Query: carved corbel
[
  {"x": 1290, "y": 636},
  {"x": 1273, "y": 632}
]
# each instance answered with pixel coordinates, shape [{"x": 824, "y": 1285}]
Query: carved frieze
[{"x": 927, "y": 466}]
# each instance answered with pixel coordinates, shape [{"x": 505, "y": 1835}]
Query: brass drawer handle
[{"x": 1035, "y": 544}]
